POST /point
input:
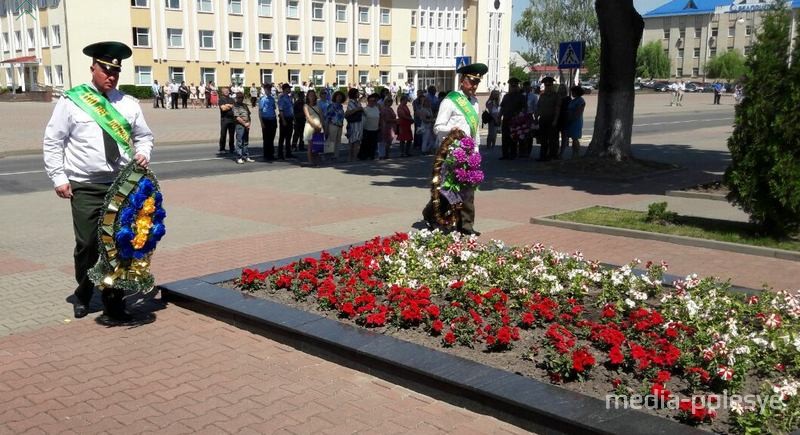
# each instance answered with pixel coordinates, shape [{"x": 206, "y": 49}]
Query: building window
[
  {"x": 666, "y": 52},
  {"x": 440, "y": 22},
  {"x": 747, "y": 50},
  {"x": 666, "y": 33},
  {"x": 449, "y": 23},
  {"x": 463, "y": 48},
  {"x": 363, "y": 14},
  {"x": 682, "y": 33},
  {"x": 176, "y": 74},
  {"x": 31, "y": 39},
  {"x": 235, "y": 41},
  {"x": 731, "y": 31},
  {"x": 680, "y": 53},
  {"x": 456, "y": 20},
  {"x": 447, "y": 50},
  {"x": 45, "y": 37},
  {"x": 318, "y": 44},
  {"x": 363, "y": 46},
  {"x": 464, "y": 21},
  {"x": 265, "y": 41},
  {"x": 712, "y": 52},
  {"x": 294, "y": 76},
  {"x": 384, "y": 48},
  {"x": 293, "y": 43},
  {"x": 341, "y": 45},
  {"x": 265, "y": 8},
  {"x": 422, "y": 19},
  {"x": 208, "y": 75},
  {"x": 56, "y": 33},
  {"x": 206, "y": 39},
  {"x": 413, "y": 51},
  {"x": 235, "y": 7},
  {"x": 144, "y": 75},
  {"x": 175, "y": 38},
  {"x": 205, "y": 6},
  {"x": 341, "y": 78},
  {"x": 696, "y": 53},
  {"x": 318, "y": 77},
  {"x": 431, "y": 53},
  {"x": 173, "y": 4},
  {"x": 413, "y": 18},
  {"x": 341, "y": 13},
  {"x": 58, "y": 80},
  {"x": 384, "y": 77},
  {"x": 18, "y": 39},
  {"x": 237, "y": 76},
  {"x": 139, "y": 3},
  {"x": 679, "y": 72},
  {"x": 422, "y": 50},
  {"x": 698, "y": 32},
  {"x": 292, "y": 9},
  {"x": 5, "y": 42},
  {"x": 439, "y": 50},
  {"x": 317, "y": 11},
  {"x": 48, "y": 75},
  {"x": 714, "y": 32},
  {"x": 386, "y": 16},
  {"x": 266, "y": 76},
  {"x": 363, "y": 77},
  {"x": 141, "y": 37},
  {"x": 695, "y": 72},
  {"x": 430, "y": 18},
  {"x": 748, "y": 30}
]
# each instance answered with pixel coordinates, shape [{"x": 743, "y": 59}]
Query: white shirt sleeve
[
  {"x": 442, "y": 125},
  {"x": 142, "y": 136},
  {"x": 55, "y": 136}
]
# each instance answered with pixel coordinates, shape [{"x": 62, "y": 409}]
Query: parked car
[
  {"x": 661, "y": 86},
  {"x": 692, "y": 87},
  {"x": 588, "y": 86}
]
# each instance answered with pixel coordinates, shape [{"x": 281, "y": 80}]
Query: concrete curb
[
  {"x": 678, "y": 240},
  {"x": 536, "y": 405},
  {"x": 695, "y": 195}
]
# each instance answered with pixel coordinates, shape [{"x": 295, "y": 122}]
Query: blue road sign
[
  {"x": 570, "y": 54},
  {"x": 463, "y": 61}
]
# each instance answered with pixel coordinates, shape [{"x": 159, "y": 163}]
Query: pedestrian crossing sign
[
  {"x": 570, "y": 54},
  {"x": 463, "y": 61}
]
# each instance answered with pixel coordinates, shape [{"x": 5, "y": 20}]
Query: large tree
[
  {"x": 620, "y": 34},
  {"x": 651, "y": 61},
  {"x": 730, "y": 65},
  {"x": 546, "y": 23}
]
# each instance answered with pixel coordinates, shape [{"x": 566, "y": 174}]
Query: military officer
[
  {"x": 452, "y": 117},
  {"x": 83, "y": 154}
]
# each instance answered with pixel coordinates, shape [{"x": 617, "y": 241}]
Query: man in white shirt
[
  {"x": 450, "y": 118},
  {"x": 82, "y": 159}
]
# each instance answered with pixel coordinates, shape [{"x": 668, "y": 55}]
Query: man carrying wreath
[
  {"x": 94, "y": 132},
  {"x": 458, "y": 111}
]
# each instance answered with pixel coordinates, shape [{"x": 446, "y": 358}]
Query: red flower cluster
[
  {"x": 561, "y": 338},
  {"x": 696, "y": 411},
  {"x": 539, "y": 308},
  {"x": 582, "y": 360}
]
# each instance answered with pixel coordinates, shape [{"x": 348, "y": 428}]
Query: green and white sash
[
  {"x": 466, "y": 108},
  {"x": 100, "y": 109}
]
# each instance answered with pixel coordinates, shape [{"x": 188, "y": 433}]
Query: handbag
[
  {"x": 318, "y": 143},
  {"x": 354, "y": 117}
]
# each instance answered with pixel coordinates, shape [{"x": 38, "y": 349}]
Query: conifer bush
[{"x": 764, "y": 174}]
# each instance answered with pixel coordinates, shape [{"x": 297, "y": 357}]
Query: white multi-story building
[{"x": 341, "y": 42}]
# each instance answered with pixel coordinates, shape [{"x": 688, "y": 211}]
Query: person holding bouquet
[{"x": 456, "y": 182}]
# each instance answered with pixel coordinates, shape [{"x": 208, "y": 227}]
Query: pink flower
[{"x": 725, "y": 373}]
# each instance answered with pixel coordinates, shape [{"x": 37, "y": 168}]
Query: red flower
[
  {"x": 661, "y": 393},
  {"x": 582, "y": 360},
  {"x": 457, "y": 285},
  {"x": 616, "y": 382},
  {"x": 437, "y": 326},
  {"x": 663, "y": 377},
  {"x": 376, "y": 319},
  {"x": 449, "y": 338},
  {"x": 504, "y": 335},
  {"x": 347, "y": 308},
  {"x": 433, "y": 311},
  {"x": 283, "y": 281},
  {"x": 609, "y": 311},
  {"x": 615, "y": 355}
]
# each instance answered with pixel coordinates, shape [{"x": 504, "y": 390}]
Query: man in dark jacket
[
  {"x": 549, "y": 106},
  {"x": 512, "y": 105}
]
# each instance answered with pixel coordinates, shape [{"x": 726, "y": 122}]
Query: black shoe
[
  {"x": 470, "y": 232},
  {"x": 115, "y": 316},
  {"x": 80, "y": 309}
]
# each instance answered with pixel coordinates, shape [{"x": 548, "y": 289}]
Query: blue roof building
[{"x": 694, "y": 31}]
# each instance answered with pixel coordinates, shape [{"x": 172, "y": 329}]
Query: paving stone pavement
[{"x": 188, "y": 373}]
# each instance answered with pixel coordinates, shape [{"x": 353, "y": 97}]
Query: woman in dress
[
  {"x": 372, "y": 128},
  {"x": 201, "y": 95},
  {"x": 404, "y": 123},
  {"x": 493, "y": 107},
  {"x": 193, "y": 95},
  {"x": 312, "y": 123},
  {"x": 426, "y": 128},
  {"x": 334, "y": 119},
  {"x": 575, "y": 122},
  {"x": 355, "y": 123},
  {"x": 388, "y": 123}
]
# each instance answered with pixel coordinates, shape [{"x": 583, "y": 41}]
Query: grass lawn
[{"x": 701, "y": 228}]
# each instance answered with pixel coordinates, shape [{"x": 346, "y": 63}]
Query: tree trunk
[{"x": 620, "y": 34}]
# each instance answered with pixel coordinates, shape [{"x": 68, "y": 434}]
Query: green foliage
[
  {"x": 657, "y": 213},
  {"x": 518, "y": 72},
  {"x": 591, "y": 60},
  {"x": 546, "y": 23},
  {"x": 138, "y": 92},
  {"x": 651, "y": 61},
  {"x": 531, "y": 56},
  {"x": 730, "y": 65},
  {"x": 764, "y": 175}
]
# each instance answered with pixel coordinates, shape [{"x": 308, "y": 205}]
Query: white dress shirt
[
  {"x": 73, "y": 142},
  {"x": 450, "y": 116}
]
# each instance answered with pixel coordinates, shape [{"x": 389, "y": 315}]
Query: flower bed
[{"x": 690, "y": 351}]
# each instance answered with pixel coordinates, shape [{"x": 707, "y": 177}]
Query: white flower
[
  {"x": 760, "y": 341},
  {"x": 466, "y": 255},
  {"x": 736, "y": 407},
  {"x": 630, "y": 303},
  {"x": 786, "y": 389},
  {"x": 413, "y": 283},
  {"x": 725, "y": 373},
  {"x": 741, "y": 350},
  {"x": 797, "y": 343},
  {"x": 692, "y": 308}
]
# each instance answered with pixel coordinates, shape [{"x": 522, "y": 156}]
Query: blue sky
[{"x": 519, "y": 44}]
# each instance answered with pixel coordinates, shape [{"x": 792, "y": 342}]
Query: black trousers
[
  {"x": 369, "y": 144},
  {"x": 227, "y": 128},
  {"x": 253, "y": 101},
  {"x": 509, "y": 145},
  {"x": 87, "y": 203},
  {"x": 174, "y": 102},
  {"x": 285, "y": 139},
  {"x": 184, "y": 99},
  {"x": 548, "y": 138},
  {"x": 268, "y": 127},
  {"x": 297, "y": 140},
  {"x": 467, "y": 215},
  {"x": 717, "y": 96}
]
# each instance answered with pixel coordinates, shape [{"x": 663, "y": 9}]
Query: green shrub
[
  {"x": 764, "y": 175},
  {"x": 138, "y": 92},
  {"x": 657, "y": 213}
]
